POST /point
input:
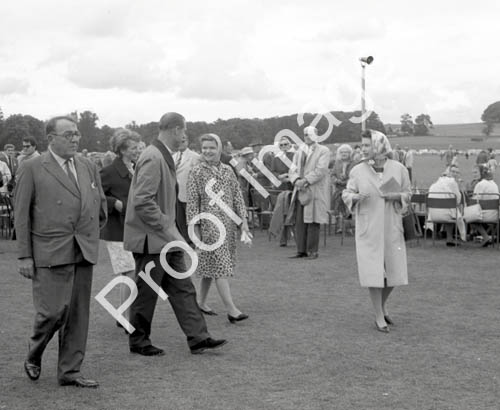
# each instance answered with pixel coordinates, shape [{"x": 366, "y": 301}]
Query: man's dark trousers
[
  {"x": 181, "y": 295},
  {"x": 307, "y": 234}
]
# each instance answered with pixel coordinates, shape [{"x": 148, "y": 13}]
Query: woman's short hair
[
  {"x": 343, "y": 147},
  {"x": 121, "y": 139},
  {"x": 485, "y": 172}
]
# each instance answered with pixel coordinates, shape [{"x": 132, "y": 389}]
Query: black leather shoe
[
  {"x": 32, "y": 370},
  {"x": 80, "y": 382},
  {"x": 208, "y": 343},
  {"x": 239, "y": 318},
  {"x": 299, "y": 255},
  {"x": 208, "y": 312},
  {"x": 147, "y": 351},
  {"x": 388, "y": 320}
]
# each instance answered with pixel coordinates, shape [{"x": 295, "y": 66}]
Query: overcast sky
[{"x": 135, "y": 60}]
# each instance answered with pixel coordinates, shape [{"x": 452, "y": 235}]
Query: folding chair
[
  {"x": 6, "y": 214},
  {"x": 489, "y": 204},
  {"x": 418, "y": 203},
  {"x": 448, "y": 200}
]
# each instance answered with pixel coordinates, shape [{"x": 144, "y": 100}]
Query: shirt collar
[{"x": 60, "y": 160}]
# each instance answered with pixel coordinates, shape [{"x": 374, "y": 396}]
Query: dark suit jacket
[
  {"x": 151, "y": 207},
  {"x": 52, "y": 214},
  {"x": 116, "y": 180},
  {"x": 278, "y": 167}
]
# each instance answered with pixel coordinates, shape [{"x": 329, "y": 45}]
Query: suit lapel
[
  {"x": 84, "y": 179},
  {"x": 52, "y": 167},
  {"x": 169, "y": 160},
  {"x": 166, "y": 155},
  {"x": 121, "y": 168}
]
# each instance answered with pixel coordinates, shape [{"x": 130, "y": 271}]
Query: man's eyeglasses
[
  {"x": 69, "y": 135},
  {"x": 27, "y": 146}
]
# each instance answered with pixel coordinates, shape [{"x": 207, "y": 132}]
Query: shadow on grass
[{"x": 310, "y": 342}]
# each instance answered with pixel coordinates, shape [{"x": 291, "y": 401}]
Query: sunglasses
[
  {"x": 284, "y": 144},
  {"x": 26, "y": 146}
]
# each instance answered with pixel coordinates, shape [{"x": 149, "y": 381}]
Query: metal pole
[{"x": 363, "y": 107}]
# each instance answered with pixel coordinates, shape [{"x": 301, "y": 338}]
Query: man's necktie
[
  {"x": 179, "y": 160},
  {"x": 70, "y": 173}
]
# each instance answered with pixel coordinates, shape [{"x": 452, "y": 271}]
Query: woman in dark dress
[{"x": 116, "y": 179}]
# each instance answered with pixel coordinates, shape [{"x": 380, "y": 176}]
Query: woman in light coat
[
  {"x": 378, "y": 193},
  {"x": 486, "y": 189}
]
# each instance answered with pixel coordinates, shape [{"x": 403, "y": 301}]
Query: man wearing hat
[{"x": 310, "y": 193}]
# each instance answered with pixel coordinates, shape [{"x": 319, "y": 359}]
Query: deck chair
[
  {"x": 6, "y": 215},
  {"x": 445, "y": 200}
]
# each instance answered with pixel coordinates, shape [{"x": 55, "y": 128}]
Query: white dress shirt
[{"x": 62, "y": 162}]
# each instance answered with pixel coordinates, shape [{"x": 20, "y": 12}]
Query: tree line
[{"x": 239, "y": 131}]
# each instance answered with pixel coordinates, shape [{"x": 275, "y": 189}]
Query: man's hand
[
  {"x": 392, "y": 196},
  {"x": 300, "y": 183},
  {"x": 119, "y": 205},
  {"x": 26, "y": 267}
]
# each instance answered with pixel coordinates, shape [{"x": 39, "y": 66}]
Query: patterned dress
[{"x": 220, "y": 262}]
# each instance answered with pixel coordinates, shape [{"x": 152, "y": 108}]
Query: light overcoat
[
  {"x": 317, "y": 175},
  {"x": 380, "y": 244}
]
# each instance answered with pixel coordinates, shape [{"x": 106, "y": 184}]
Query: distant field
[
  {"x": 435, "y": 142},
  {"x": 428, "y": 168},
  {"x": 458, "y": 130}
]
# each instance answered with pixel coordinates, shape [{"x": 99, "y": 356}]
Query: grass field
[
  {"x": 458, "y": 130},
  {"x": 428, "y": 168},
  {"x": 442, "y": 143},
  {"x": 310, "y": 342}
]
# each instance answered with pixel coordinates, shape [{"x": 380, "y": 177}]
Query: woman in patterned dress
[{"x": 218, "y": 263}]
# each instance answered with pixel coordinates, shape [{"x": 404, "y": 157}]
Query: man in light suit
[
  {"x": 184, "y": 160},
  {"x": 150, "y": 224},
  {"x": 311, "y": 193},
  {"x": 60, "y": 207}
]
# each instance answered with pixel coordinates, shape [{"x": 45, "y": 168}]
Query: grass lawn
[
  {"x": 310, "y": 342},
  {"x": 428, "y": 168}
]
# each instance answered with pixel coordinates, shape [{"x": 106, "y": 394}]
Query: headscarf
[
  {"x": 380, "y": 144},
  {"x": 215, "y": 137}
]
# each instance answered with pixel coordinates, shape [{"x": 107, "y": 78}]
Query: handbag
[
  {"x": 411, "y": 226},
  {"x": 305, "y": 196},
  {"x": 473, "y": 213}
]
